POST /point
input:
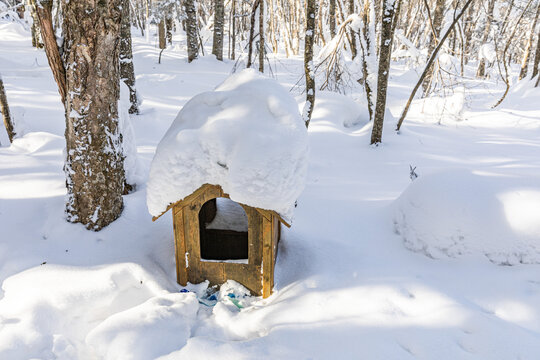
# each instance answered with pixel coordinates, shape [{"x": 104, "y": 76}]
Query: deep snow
[{"x": 346, "y": 284}]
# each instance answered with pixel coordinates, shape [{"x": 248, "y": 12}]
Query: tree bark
[
  {"x": 161, "y": 34},
  {"x": 168, "y": 28},
  {"x": 311, "y": 10},
  {"x": 44, "y": 12},
  {"x": 261, "y": 36},
  {"x": 527, "y": 51},
  {"x": 191, "y": 30},
  {"x": 6, "y": 115},
  {"x": 252, "y": 32},
  {"x": 536, "y": 61},
  {"x": 127, "y": 71},
  {"x": 481, "y": 71},
  {"x": 385, "y": 52},
  {"x": 468, "y": 28},
  {"x": 352, "y": 33},
  {"x": 332, "y": 17},
  {"x": 367, "y": 48},
  {"x": 94, "y": 164},
  {"x": 36, "y": 35},
  {"x": 219, "y": 20},
  {"x": 436, "y": 23},
  {"x": 233, "y": 35}
]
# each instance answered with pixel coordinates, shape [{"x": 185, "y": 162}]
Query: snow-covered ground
[{"x": 347, "y": 283}]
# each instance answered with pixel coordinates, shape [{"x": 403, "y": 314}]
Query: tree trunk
[
  {"x": 436, "y": 23},
  {"x": 219, "y": 20},
  {"x": 271, "y": 16},
  {"x": 168, "y": 28},
  {"x": 161, "y": 38},
  {"x": 527, "y": 51},
  {"x": 352, "y": 33},
  {"x": 261, "y": 36},
  {"x": 481, "y": 71},
  {"x": 385, "y": 52},
  {"x": 191, "y": 31},
  {"x": 367, "y": 47},
  {"x": 311, "y": 10},
  {"x": 36, "y": 35},
  {"x": 127, "y": 72},
  {"x": 468, "y": 28},
  {"x": 44, "y": 12},
  {"x": 536, "y": 61},
  {"x": 161, "y": 34},
  {"x": 233, "y": 35},
  {"x": 332, "y": 17},
  {"x": 4, "y": 109},
  {"x": 94, "y": 164},
  {"x": 252, "y": 32}
]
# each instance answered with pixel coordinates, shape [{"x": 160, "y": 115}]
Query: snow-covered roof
[{"x": 246, "y": 136}]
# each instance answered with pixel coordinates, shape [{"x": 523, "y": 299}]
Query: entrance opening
[{"x": 223, "y": 228}]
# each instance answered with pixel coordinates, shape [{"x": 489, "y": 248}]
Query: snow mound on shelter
[
  {"x": 458, "y": 213},
  {"x": 247, "y": 136}
]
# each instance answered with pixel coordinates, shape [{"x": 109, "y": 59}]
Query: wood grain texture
[
  {"x": 216, "y": 188},
  {"x": 180, "y": 248},
  {"x": 263, "y": 237},
  {"x": 268, "y": 258}
]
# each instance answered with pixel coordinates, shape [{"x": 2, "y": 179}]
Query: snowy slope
[{"x": 346, "y": 286}]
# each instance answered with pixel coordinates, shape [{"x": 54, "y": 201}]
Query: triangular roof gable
[{"x": 206, "y": 187}]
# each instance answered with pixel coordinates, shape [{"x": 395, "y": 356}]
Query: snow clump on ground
[{"x": 458, "y": 213}]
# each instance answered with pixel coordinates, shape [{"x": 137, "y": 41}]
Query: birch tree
[
  {"x": 191, "y": 29},
  {"x": 219, "y": 25},
  {"x": 311, "y": 10},
  {"x": 6, "y": 115}
]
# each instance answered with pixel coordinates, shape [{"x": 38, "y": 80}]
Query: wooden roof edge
[
  {"x": 269, "y": 213},
  {"x": 203, "y": 188},
  {"x": 186, "y": 199}
]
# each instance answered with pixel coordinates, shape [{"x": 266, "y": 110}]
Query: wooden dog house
[{"x": 218, "y": 255}]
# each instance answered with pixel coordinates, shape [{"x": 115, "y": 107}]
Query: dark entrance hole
[{"x": 223, "y": 228}]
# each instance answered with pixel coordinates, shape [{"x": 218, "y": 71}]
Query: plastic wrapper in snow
[{"x": 246, "y": 136}]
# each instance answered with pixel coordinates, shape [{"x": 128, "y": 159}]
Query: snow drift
[
  {"x": 246, "y": 136},
  {"x": 457, "y": 213},
  {"x": 116, "y": 311},
  {"x": 334, "y": 107}
]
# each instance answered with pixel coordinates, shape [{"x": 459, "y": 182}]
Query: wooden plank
[
  {"x": 268, "y": 258},
  {"x": 254, "y": 235},
  {"x": 269, "y": 213},
  {"x": 211, "y": 271},
  {"x": 188, "y": 199},
  {"x": 245, "y": 274},
  {"x": 276, "y": 230},
  {"x": 191, "y": 226},
  {"x": 263, "y": 237},
  {"x": 212, "y": 190},
  {"x": 180, "y": 248},
  {"x": 199, "y": 271}
]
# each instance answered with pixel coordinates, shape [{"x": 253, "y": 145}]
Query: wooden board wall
[{"x": 261, "y": 248}]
